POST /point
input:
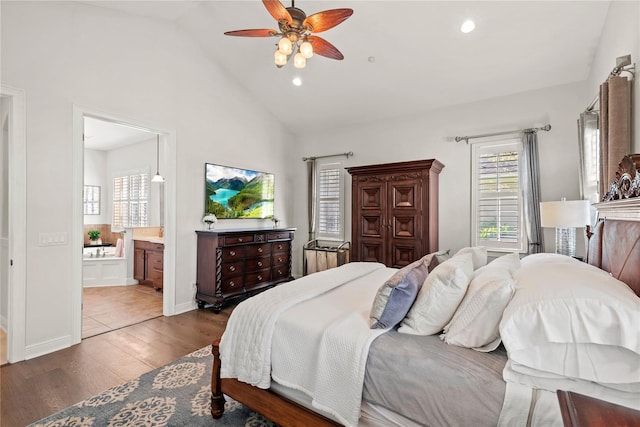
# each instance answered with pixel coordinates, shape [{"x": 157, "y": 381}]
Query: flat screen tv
[{"x": 238, "y": 193}]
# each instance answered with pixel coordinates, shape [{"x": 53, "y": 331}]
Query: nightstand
[{"x": 584, "y": 411}]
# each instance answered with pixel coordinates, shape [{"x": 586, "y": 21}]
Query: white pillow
[
  {"x": 475, "y": 322},
  {"x": 439, "y": 296},
  {"x": 479, "y": 254},
  {"x": 572, "y": 319}
]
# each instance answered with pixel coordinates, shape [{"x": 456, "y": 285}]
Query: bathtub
[{"x": 104, "y": 269}]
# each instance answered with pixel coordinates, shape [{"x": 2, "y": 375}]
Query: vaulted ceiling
[{"x": 401, "y": 57}]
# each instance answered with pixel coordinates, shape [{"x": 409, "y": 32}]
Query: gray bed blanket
[{"x": 434, "y": 383}]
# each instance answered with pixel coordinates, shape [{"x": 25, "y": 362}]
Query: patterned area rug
[{"x": 177, "y": 394}]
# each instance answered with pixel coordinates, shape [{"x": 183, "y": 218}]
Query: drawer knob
[
  {"x": 279, "y": 246},
  {"x": 259, "y": 277},
  {"x": 232, "y": 253},
  {"x": 260, "y": 250},
  {"x": 232, "y": 268},
  {"x": 240, "y": 239},
  {"x": 280, "y": 272},
  {"x": 232, "y": 284},
  {"x": 279, "y": 259},
  {"x": 259, "y": 263}
]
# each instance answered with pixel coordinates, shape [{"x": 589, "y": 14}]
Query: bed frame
[{"x": 614, "y": 246}]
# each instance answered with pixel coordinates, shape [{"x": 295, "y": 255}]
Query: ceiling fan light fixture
[
  {"x": 285, "y": 46},
  {"x": 299, "y": 61},
  {"x": 306, "y": 49},
  {"x": 280, "y": 58}
]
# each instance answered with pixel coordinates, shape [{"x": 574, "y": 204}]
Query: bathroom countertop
[{"x": 150, "y": 239}]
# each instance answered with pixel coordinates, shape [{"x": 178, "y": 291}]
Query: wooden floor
[
  {"x": 112, "y": 307},
  {"x": 39, "y": 387}
]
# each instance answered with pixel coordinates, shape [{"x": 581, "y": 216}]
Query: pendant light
[{"x": 157, "y": 177}]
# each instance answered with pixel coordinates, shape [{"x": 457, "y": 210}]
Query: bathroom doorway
[{"x": 120, "y": 205}]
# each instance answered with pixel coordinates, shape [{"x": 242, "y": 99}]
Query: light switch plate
[{"x": 52, "y": 238}]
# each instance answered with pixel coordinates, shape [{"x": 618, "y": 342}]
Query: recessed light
[
  {"x": 297, "y": 81},
  {"x": 467, "y": 26}
]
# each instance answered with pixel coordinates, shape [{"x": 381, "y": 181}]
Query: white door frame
[
  {"x": 16, "y": 333},
  {"x": 168, "y": 167}
]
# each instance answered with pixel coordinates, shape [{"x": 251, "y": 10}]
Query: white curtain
[{"x": 311, "y": 197}]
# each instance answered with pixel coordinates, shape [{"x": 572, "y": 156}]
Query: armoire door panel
[
  {"x": 371, "y": 225},
  {"x": 403, "y": 195},
  {"x": 371, "y": 252},
  {"x": 372, "y": 196},
  {"x": 405, "y": 226},
  {"x": 403, "y": 255}
]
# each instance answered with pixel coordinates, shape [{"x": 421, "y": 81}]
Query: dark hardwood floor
[{"x": 39, "y": 387}]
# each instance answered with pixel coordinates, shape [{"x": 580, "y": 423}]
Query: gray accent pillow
[{"x": 396, "y": 295}]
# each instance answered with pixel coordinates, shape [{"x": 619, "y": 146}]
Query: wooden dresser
[
  {"x": 394, "y": 211},
  {"x": 240, "y": 262}
]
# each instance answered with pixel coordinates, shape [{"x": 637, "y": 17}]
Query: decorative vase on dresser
[
  {"x": 237, "y": 263},
  {"x": 394, "y": 211}
]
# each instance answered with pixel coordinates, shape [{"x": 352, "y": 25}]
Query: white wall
[
  {"x": 63, "y": 54},
  {"x": 431, "y": 136},
  {"x": 620, "y": 36}
]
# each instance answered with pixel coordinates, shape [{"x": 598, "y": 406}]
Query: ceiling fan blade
[
  {"x": 277, "y": 10},
  {"x": 324, "y": 48},
  {"x": 252, "y": 33},
  {"x": 322, "y": 21}
]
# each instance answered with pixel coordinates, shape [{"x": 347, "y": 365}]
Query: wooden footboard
[{"x": 276, "y": 408}]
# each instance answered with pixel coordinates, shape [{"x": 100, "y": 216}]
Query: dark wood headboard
[
  {"x": 615, "y": 248},
  {"x": 614, "y": 244}
]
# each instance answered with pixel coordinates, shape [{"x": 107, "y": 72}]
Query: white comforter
[{"x": 321, "y": 341}]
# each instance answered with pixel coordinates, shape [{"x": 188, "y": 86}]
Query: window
[
  {"x": 330, "y": 216},
  {"x": 131, "y": 201},
  {"x": 497, "y": 202},
  {"x": 91, "y": 199}
]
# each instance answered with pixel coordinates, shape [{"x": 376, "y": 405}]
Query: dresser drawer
[
  {"x": 285, "y": 235},
  {"x": 280, "y": 247},
  {"x": 237, "y": 240},
  {"x": 280, "y": 259},
  {"x": 279, "y": 272},
  {"x": 258, "y": 250},
  {"x": 233, "y": 253},
  {"x": 232, "y": 268},
  {"x": 258, "y": 263},
  {"x": 232, "y": 285},
  {"x": 261, "y": 276}
]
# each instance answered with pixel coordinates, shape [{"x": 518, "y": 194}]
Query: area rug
[{"x": 177, "y": 394}]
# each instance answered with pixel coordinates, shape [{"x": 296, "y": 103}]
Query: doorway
[
  {"x": 13, "y": 219},
  {"x": 121, "y": 205},
  {"x": 98, "y": 138}
]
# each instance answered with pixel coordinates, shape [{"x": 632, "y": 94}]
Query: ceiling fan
[{"x": 296, "y": 30}]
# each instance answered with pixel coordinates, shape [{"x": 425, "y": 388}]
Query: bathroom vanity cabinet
[{"x": 148, "y": 263}]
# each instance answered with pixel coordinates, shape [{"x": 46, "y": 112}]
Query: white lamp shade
[{"x": 565, "y": 214}]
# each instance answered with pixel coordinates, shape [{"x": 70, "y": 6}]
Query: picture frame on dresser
[{"x": 237, "y": 263}]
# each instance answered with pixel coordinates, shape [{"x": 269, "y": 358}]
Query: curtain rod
[
  {"x": 347, "y": 154},
  {"x": 623, "y": 65},
  {"x": 467, "y": 138}
]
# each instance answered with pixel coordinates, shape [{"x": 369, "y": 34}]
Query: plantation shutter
[
  {"x": 131, "y": 201},
  {"x": 330, "y": 221},
  {"x": 497, "y": 200}
]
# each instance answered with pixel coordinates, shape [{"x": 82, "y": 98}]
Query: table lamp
[{"x": 565, "y": 216}]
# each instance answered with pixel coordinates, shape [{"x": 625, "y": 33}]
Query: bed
[{"x": 304, "y": 353}]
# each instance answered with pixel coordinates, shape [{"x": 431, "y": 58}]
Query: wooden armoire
[{"x": 394, "y": 211}]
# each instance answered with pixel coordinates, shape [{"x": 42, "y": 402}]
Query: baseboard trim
[
  {"x": 46, "y": 347},
  {"x": 184, "y": 307}
]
